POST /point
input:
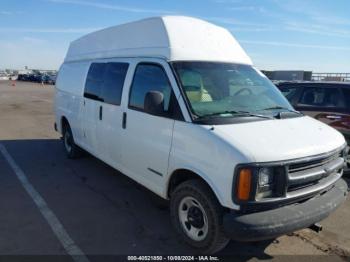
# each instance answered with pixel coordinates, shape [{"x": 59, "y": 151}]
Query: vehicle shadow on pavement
[{"x": 103, "y": 211}]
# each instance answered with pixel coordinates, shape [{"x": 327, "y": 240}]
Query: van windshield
[{"x": 228, "y": 90}]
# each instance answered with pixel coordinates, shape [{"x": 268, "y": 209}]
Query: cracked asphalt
[{"x": 103, "y": 211}]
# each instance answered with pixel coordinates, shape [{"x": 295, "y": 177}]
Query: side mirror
[{"x": 154, "y": 103}]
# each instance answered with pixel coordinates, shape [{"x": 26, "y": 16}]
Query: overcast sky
[{"x": 277, "y": 34}]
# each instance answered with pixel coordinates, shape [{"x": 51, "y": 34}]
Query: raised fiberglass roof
[{"x": 173, "y": 38}]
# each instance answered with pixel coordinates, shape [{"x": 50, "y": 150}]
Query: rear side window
[
  {"x": 149, "y": 77},
  {"x": 322, "y": 97},
  {"x": 105, "y": 82},
  {"x": 113, "y": 82},
  {"x": 71, "y": 76},
  {"x": 94, "y": 81}
]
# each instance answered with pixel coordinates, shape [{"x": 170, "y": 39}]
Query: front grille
[
  {"x": 296, "y": 187},
  {"x": 314, "y": 173},
  {"x": 303, "y": 166}
]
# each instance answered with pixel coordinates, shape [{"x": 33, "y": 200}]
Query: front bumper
[{"x": 282, "y": 220}]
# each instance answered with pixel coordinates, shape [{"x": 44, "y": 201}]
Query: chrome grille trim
[
  {"x": 314, "y": 174},
  {"x": 314, "y": 163},
  {"x": 322, "y": 185}
]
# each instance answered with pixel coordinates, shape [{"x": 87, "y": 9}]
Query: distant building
[
  {"x": 24, "y": 71},
  {"x": 340, "y": 77},
  {"x": 288, "y": 75},
  {"x": 334, "y": 78},
  {"x": 36, "y": 71}
]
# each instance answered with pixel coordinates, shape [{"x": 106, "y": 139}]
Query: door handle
[
  {"x": 100, "y": 114},
  {"x": 124, "y": 120}
]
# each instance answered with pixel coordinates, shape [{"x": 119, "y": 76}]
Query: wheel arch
[
  {"x": 64, "y": 123},
  {"x": 181, "y": 175}
]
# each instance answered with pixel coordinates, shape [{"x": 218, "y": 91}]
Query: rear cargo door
[
  {"x": 92, "y": 104},
  {"x": 109, "y": 124}
]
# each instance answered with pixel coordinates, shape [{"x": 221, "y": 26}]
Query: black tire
[
  {"x": 71, "y": 149},
  {"x": 214, "y": 238}
]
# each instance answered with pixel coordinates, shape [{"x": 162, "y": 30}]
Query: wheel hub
[{"x": 195, "y": 217}]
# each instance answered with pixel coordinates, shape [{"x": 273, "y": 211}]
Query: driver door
[{"x": 147, "y": 138}]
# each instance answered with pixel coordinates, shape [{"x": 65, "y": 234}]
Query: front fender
[{"x": 201, "y": 174}]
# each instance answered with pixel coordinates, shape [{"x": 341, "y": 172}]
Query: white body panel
[
  {"x": 199, "y": 149},
  {"x": 69, "y": 97},
  {"x": 166, "y": 145},
  {"x": 146, "y": 147},
  {"x": 276, "y": 140},
  {"x": 169, "y": 37}
]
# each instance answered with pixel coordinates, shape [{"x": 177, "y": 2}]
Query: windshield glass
[{"x": 226, "y": 89}]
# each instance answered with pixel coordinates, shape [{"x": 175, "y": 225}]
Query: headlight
[
  {"x": 255, "y": 183},
  {"x": 265, "y": 176}
]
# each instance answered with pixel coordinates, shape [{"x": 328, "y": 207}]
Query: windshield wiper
[
  {"x": 234, "y": 114},
  {"x": 284, "y": 114},
  {"x": 281, "y": 107}
]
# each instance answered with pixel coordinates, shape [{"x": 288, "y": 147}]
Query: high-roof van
[{"x": 176, "y": 104}]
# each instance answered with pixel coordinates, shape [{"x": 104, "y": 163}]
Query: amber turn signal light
[{"x": 244, "y": 184}]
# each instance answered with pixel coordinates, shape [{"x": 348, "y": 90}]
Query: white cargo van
[{"x": 176, "y": 104}]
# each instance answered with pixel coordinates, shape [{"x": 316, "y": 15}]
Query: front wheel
[{"x": 197, "y": 216}]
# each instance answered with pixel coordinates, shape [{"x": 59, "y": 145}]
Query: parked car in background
[
  {"x": 328, "y": 102},
  {"x": 13, "y": 77},
  {"x": 49, "y": 79},
  {"x": 4, "y": 77},
  {"x": 34, "y": 78},
  {"x": 23, "y": 77}
]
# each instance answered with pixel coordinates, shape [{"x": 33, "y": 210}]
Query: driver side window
[
  {"x": 149, "y": 77},
  {"x": 152, "y": 77}
]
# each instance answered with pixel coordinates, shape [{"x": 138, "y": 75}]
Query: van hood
[{"x": 281, "y": 139}]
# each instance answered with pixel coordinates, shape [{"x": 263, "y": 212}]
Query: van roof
[{"x": 173, "y": 38}]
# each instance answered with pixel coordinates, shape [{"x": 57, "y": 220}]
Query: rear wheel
[
  {"x": 71, "y": 149},
  {"x": 197, "y": 216}
]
